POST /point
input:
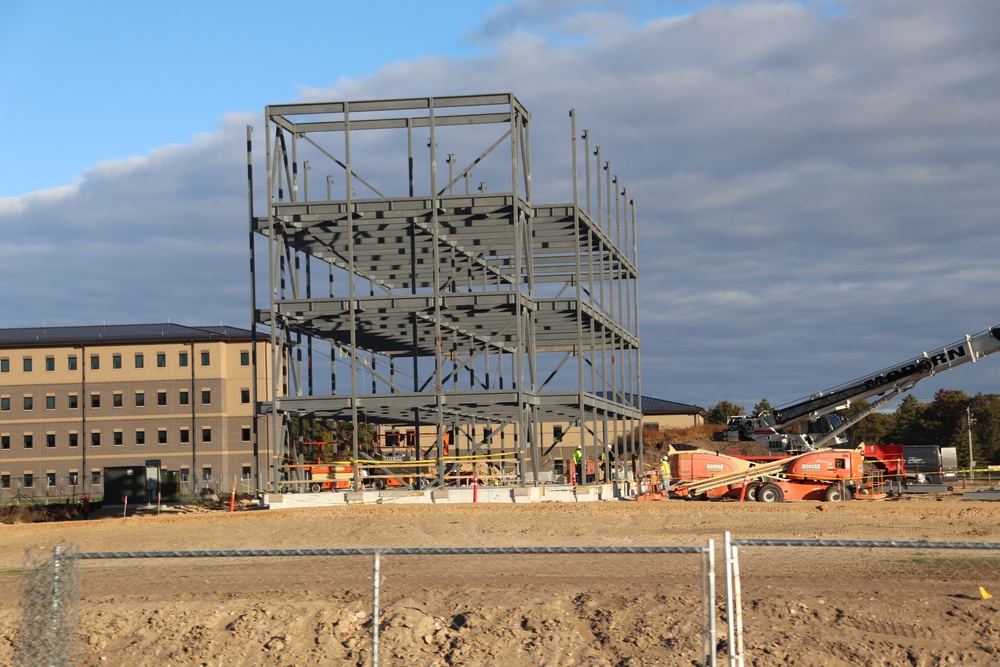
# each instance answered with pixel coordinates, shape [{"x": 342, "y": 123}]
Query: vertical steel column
[
  {"x": 634, "y": 276},
  {"x": 352, "y": 308},
  {"x": 254, "y": 398}
]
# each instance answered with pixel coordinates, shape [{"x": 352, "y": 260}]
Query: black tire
[
  {"x": 751, "y": 492},
  {"x": 315, "y": 488},
  {"x": 379, "y": 484},
  {"x": 770, "y": 493},
  {"x": 835, "y": 494}
]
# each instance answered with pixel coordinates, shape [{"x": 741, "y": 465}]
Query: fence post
[
  {"x": 732, "y": 599},
  {"x": 54, "y": 620},
  {"x": 708, "y": 637},
  {"x": 375, "y": 616}
]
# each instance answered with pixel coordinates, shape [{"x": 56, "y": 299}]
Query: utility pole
[{"x": 972, "y": 464}]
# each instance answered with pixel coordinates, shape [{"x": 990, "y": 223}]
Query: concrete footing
[{"x": 547, "y": 493}]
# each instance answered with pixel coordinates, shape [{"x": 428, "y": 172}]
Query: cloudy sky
[{"x": 818, "y": 183}]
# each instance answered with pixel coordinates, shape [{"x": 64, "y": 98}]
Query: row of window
[
  {"x": 28, "y": 479},
  {"x": 118, "y": 438},
  {"x": 139, "y": 361},
  {"x": 117, "y": 399}
]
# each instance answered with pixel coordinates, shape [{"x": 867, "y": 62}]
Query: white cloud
[{"x": 816, "y": 189}]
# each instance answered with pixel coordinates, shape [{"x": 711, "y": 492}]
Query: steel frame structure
[{"x": 462, "y": 313}]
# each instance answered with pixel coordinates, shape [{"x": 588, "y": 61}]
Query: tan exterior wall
[{"x": 124, "y": 404}]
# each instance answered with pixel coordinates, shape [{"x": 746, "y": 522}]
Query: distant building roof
[
  {"x": 659, "y": 406},
  {"x": 116, "y": 333}
]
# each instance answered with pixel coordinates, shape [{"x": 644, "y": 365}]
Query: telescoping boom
[{"x": 772, "y": 428}]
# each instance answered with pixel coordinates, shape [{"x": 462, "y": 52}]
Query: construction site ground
[{"x": 828, "y": 606}]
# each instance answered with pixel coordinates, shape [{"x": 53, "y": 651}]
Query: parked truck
[
  {"x": 934, "y": 464},
  {"x": 812, "y": 424}
]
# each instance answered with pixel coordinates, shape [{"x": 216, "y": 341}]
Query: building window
[
  {"x": 140, "y": 436},
  {"x": 185, "y": 475},
  {"x": 206, "y": 358},
  {"x": 116, "y": 399},
  {"x": 29, "y": 403},
  {"x": 50, "y": 364},
  {"x": 245, "y": 434},
  {"x": 5, "y": 365},
  {"x": 183, "y": 398},
  {"x": 557, "y": 433},
  {"x": 5, "y": 403},
  {"x": 95, "y": 362},
  {"x": 206, "y": 474},
  {"x": 140, "y": 399},
  {"x": 116, "y": 361},
  {"x": 95, "y": 439},
  {"x": 4, "y": 442},
  {"x": 50, "y": 440},
  {"x": 206, "y": 396},
  {"x": 246, "y": 472},
  {"x": 244, "y": 396},
  {"x": 74, "y": 440},
  {"x": 185, "y": 436},
  {"x": 244, "y": 358},
  {"x": 95, "y": 400},
  {"x": 50, "y": 402},
  {"x": 29, "y": 480},
  {"x": 206, "y": 435},
  {"x": 4, "y": 481},
  {"x": 27, "y": 364},
  {"x": 161, "y": 398},
  {"x": 182, "y": 359},
  {"x": 74, "y": 478},
  {"x": 117, "y": 439},
  {"x": 71, "y": 362},
  {"x": 50, "y": 479},
  {"x": 140, "y": 360},
  {"x": 95, "y": 478},
  {"x": 74, "y": 402},
  {"x": 29, "y": 441},
  {"x": 161, "y": 436}
]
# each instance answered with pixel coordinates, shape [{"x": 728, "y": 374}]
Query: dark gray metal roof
[
  {"x": 116, "y": 334},
  {"x": 659, "y": 406}
]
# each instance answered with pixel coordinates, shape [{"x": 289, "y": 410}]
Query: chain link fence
[
  {"x": 783, "y": 602},
  {"x": 820, "y": 601},
  {"x": 392, "y": 606}
]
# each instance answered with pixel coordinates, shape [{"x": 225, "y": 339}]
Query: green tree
[
  {"x": 722, "y": 411},
  {"x": 909, "y": 428},
  {"x": 986, "y": 429},
  {"x": 763, "y": 405},
  {"x": 944, "y": 418}
]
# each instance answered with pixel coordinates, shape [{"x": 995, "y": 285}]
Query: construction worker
[
  {"x": 578, "y": 464},
  {"x": 608, "y": 462},
  {"x": 665, "y": 475}
]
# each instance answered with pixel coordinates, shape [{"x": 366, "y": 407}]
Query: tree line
[{"x": 944, "y": 422}]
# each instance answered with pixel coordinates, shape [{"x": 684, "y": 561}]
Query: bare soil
[{"x": 827, "y": 606}]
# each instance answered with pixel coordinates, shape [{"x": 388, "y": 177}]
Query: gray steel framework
[{"x": 481, "y": 314}]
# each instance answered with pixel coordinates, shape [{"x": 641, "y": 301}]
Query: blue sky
[{"x": 817, "y": 181}]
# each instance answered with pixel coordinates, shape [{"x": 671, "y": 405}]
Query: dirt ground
[{"x": 821, "y": 606}]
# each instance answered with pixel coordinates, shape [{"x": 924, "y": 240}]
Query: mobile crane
[{"x": 815, "y": 419}]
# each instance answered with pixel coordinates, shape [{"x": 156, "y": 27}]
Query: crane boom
[
  {"x": 902, "y": 376},
  {"x": 771, "y": 428}
]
